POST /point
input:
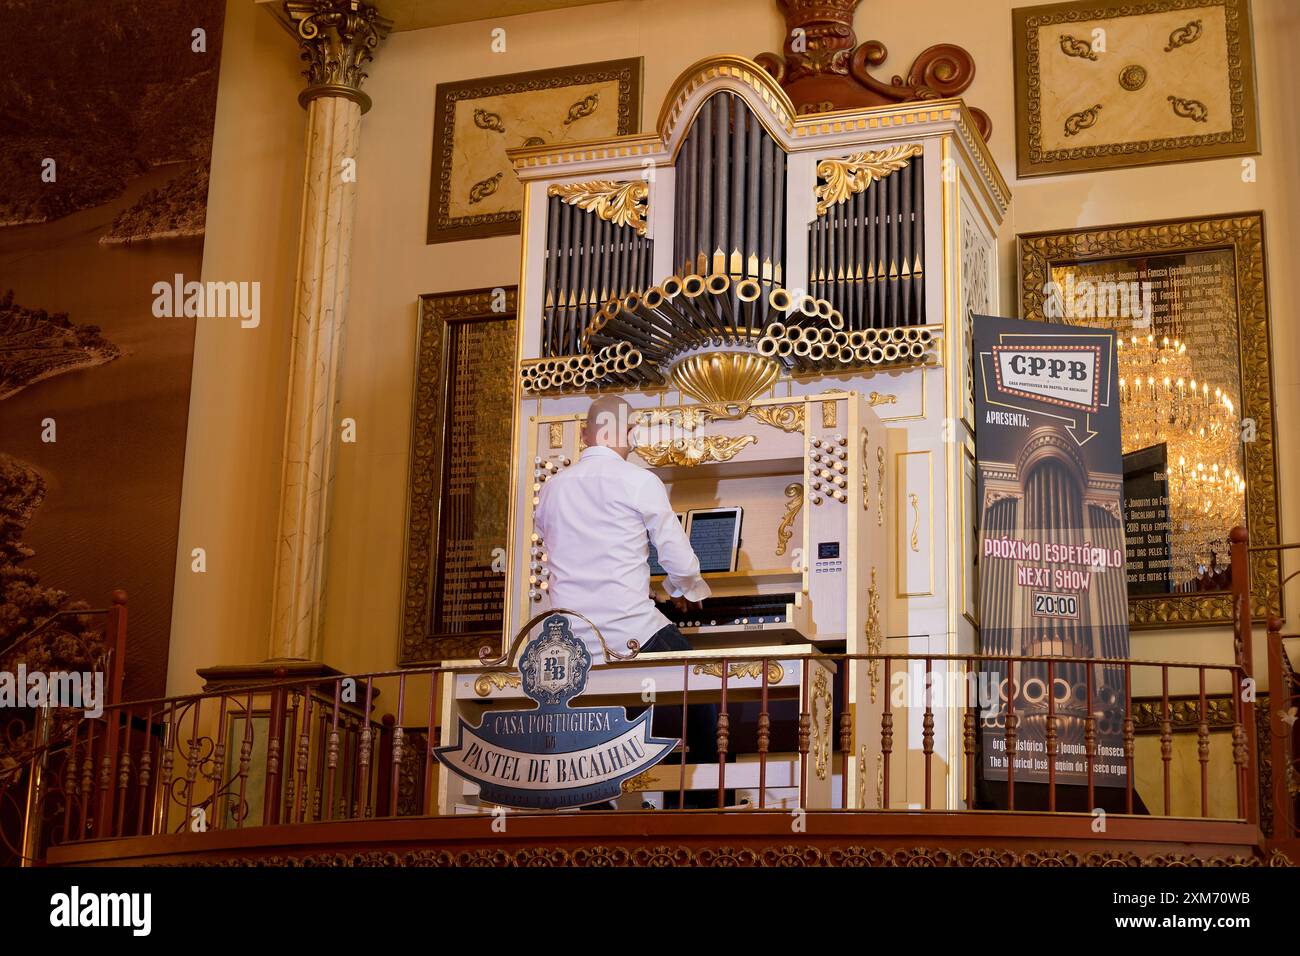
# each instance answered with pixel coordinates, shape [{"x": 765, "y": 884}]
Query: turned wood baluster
[
  {"x": 245, "y": 761},
  {"x": 398, "y": 735},
  {"x": 764, "y": 739},
  {"x": 970, "y": 733},
  {"x": 430, "y": 743},
  {"x": 366, "y": 744},
  {"x": 724, "y": 738},
  {"x": 332, "y": 752},
  {"x": 886, "y": 737},
  {"x": 846, "y": 738},
  {"x": 87, "y": 778},
  {"x": 192, "y": 764},
  {"x": 162, "y": 794},
  {"x": 291, "y": 757},
  {"x": 123, "y": 777},
  {"x": 1203, "y": 747},
  {"x": 304, "y": 758},
  {"x": 218, "y": 772},
  {"x": 1166, "y": 738},
  {"x": 805, "y": 736},
  {"x": 681, "y": 777},
  {"x": 1128, "y": 738},
  {"x": 1089, "y": 737},
  {"x": 1239, "y": 748},
  {"x": 927, "y": 730},
  {"x": 104, "y": 786},
  {"x": 271, "y": 792},
  {"x": 1010, "y": 733},
  {"x": 1051, "y": 738},
  {"x": 70, "y": 782}
]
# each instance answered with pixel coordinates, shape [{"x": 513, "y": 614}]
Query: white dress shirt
[{"x": 596, "y": 519}]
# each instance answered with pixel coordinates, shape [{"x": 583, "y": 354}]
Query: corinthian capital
[{"x": 336, "y": 37}]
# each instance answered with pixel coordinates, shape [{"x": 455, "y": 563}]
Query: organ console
[{"x": 784, "y": 299}]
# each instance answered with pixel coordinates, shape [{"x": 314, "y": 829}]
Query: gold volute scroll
[
  {"x": 847, "y": 177},
  {"x": 726, "y": 378},
  {"x": 793, "y": 491},
  {"x": 623, "y": 204},
  {"x": 788, "y": 418},
  {"x": 694, "y": 451},
  {"x": 484, "y": 683}
]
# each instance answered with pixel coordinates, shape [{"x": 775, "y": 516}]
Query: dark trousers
[
  {"x": 701, "y": 719},
  {"x": 701, "y": 740}
]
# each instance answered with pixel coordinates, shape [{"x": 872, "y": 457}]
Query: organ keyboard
[{"x": 742, "y": 619}]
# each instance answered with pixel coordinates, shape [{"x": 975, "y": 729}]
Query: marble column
[{"x": 336, "y": 37}]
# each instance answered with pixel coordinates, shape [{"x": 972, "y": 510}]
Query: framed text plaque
[{"x": 453, "y": 601}]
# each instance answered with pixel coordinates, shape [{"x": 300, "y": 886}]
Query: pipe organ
[{"x": 785, "y": 302}]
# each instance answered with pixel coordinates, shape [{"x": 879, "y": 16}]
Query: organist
[{"x": 598, "y": 518}]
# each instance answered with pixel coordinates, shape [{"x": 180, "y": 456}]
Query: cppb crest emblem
[{"x": 555, "y": 756}]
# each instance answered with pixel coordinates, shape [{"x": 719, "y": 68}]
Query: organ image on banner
[{"x": 1052, "y": 549}]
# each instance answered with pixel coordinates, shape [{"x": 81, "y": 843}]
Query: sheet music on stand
[{"x": 715, "y": 537}]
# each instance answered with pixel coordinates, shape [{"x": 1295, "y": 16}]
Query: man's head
[{"x": 609, "y": 422}]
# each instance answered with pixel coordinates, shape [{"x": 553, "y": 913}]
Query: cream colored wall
[
  {"x": 232, "y": 459},
  {"x": 237, "y": 397}
]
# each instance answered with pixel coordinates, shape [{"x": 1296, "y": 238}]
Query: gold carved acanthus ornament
[
  {"x": 500, "y": 680},
  {"x": 751, "y": 669},
  {"x": 623, "y": 204},
  {"x": 784, "y": 531},
  {"x": 700, "y": 450},
  {"x": 849, "y": 176}
]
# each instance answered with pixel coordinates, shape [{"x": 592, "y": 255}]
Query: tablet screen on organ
[{"x": 715, "y": 537}]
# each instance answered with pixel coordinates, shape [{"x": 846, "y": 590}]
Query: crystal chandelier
[{"x": 1162, "y": 401}]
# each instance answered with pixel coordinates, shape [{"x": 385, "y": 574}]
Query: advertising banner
[{"x": 1052, "y": 550}]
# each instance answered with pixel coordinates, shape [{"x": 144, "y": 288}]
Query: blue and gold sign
[{"x": 554, "y": 756}]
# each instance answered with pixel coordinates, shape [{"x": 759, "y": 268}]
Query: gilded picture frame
[
  {"x": 1104, "y": 84},
  {"x": 473, "y": 192},
  {"x": 1042, "y": 256},
  {"x": 456, "y": 517}
]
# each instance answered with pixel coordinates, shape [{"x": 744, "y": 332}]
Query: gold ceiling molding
[
  {"x": 785, "y": 530},
  {"x": 623, "y": 204},
  {"x": 849, "y": 176},
  {"x": 689, "y": 452}
]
